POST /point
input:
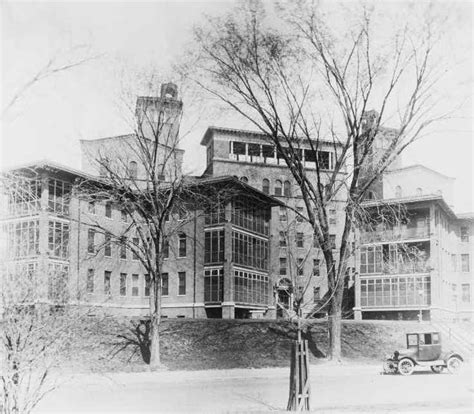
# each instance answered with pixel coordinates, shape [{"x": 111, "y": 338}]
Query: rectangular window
[
  {"x": 182, "y": 245},
  {"x": 332, "y": 241},
  {"x": 282, "y": 266},
  {"x": 300, "y": 266},
  {"x": 181, "y": 283},
  {"x": 107, "y": 277},
  {"x": 316, "y": 270},
  {"x": 107, "y": 245},
  {"x": 213, "y": 285},
  {"x": 465, "y": 234},
  {"x": 147, "y": 285},
  {"x": 90, "y": 281},
  {"x": 123, "y": 247},
  {"x": 371, "y": 259},
  {"x": 136, "y": 247},
  {"x": 123, "y": 284},
  {"x": 166, "y": 248},
  {"x": 108, "y": 210},
  {"x": 283, "y": 214},
  {"x": 213, "y": 246},
  {"x": 465, "y": 263},
  {"x": 91, "y": 240},
  {"x": 59, "y": 196},
  {"x": 164, "y": 284},
  {"x": 135, "y": 285},
  {"x": 251, "y": 287},
  {"x": 123, "y": 215},
  {"x": 316, "y": 294},
  {"x": 299, "y": 240},
  {"x": 214, "y": 214},
  {"x": 466, "y": 293},
  {"x": 282, "y": 238},
  {"x": 239, "y": 148},
  {"x": 58, "y": 239},
  {"x": 299, "y": 214},
  {"x": 91, "y": 207},
  {"x": 249, "y": 251}
]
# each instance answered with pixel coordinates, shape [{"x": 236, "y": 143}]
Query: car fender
[{"x": 449, "y": 354}]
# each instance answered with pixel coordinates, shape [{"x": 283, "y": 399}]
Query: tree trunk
[
  {"x": 335, "y": 326},
  {"x": 155, "y": 341}
]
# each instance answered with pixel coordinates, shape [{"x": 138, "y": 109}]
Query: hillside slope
[{"x": 218, "y": 344}]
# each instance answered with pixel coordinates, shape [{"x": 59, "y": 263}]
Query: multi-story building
[{"x": 416, "y": 253}]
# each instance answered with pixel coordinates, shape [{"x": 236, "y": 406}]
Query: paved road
[{"x": 344, "y": 389}]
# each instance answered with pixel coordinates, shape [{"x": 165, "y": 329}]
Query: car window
[
  {"x": 435, "y": 338},
  {"x": 412, "y": 340},
  {"x": 427, "y": 339}
]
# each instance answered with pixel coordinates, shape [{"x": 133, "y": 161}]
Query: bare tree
[{"x": 274, "y": 70}]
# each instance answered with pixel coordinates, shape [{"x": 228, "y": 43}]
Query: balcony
[{"x": 397, "y": 234}]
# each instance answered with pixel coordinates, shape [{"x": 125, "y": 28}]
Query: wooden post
[{"x": 299, "y": 398}]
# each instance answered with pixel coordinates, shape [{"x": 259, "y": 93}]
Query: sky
[{"x": 127, "y": 39}]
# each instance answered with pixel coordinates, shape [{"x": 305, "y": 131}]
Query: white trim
[
  {"x": 243, "y": 269},
  {"x": 237, "y": 228}
]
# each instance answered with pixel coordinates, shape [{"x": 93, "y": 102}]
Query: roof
[
  {"x": 417, "y": 166},
  {"x": 125, "y": 137},
  {"x": 413, "y": 199},
  {"x": 211, "y": 129}
]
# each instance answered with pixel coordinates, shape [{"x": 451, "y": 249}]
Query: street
[{"x": 335, "y": 388}]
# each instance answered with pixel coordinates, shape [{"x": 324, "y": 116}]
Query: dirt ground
[{"x": 346, "y": 388}]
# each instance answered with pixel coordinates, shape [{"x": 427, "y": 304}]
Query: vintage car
[{"x": 423, "y": 350}]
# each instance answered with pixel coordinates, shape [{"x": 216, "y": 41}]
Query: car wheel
[
  {"x": 454, "y": 364},
  {"x": 389, "y": 367},
  {"x": 437, "y": 369},
  {"x": 406, "y": 366}
]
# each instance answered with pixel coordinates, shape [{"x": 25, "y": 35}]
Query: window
[
  {"x": 282, "y": 265},
  {"x": 287, "y": 189},
  {"x": 213, "y": 246},
  {"x": 266, "y": 186},
  {"x": 324, "y": 160},
  {"x": 182, "y": 245},
  {"x": 251, "y": 287},
  {"x": 332, "y": 217},
  {"x": 182, "y": 214},
  {"x": 254, "y": 150},
  {"x": 123, "y": 215},
  {"x": 332, "y": 241},
  {"x": 164, "y": 284},
  {"x": 316, "y": 265},
  {"x": 464, "y": 234},
  {"x": 181, "y": 283},
  {"x": 282, "y": 238},
  {"x": 108, "y": 210},
  {"x": 91, "y": 240},
  {"x": 91, "y": 207},
  {"x": 132, "y": 169},
  {"x": 278, "y": 188},
  {"x": 465, "y": 263},
  {"x": 300, "y": 266},
  {"x": 213, "y": 285},
  {"x": 123, "y": 284},
  {"x": 299, "y": 240},
  {"x": 299, "y": 214},
  {"x": 90, "y": 281},
  {"x": 214, "y": 214},
  {"x": 136, "y": 248},
  {"x": 166, "y": 248},
  {"x": 135, "y": 286},
  {"x": 251, "y": 216},
  {"x": 58, "y": 239},
  {"x": 107, "y": 277},
  {"x": 147, "y": 285},
  {"x": 239, "y": 148},
  {"x": 398, "y": 191},
  {"x": 316, "y": 294},
  {"x": 123, "y": 247},
  {"x": 107, "y": 245},
  {"x": 248, "y": 250},
  {"x": 466, "y": 293},
  {"x": 453, "y": 263},
  {"x": 58, "y": 196},
  {"x": 371, "y": 259},
  {"x": 283, "y": 215}
]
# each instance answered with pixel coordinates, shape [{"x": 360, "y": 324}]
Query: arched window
[
  {"x": 398, "y": 191},
  {"x": 132, "y": 169},
  {"x": 244, "y": 179},
  {"x": 287, "y": 189},
  {"x": 266, "y": 186},
  {"x": 419, "y": 191},
  {"x": 278, "y": 188}
]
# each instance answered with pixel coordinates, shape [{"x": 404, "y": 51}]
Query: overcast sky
[{"x": 83, "y": 103}]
